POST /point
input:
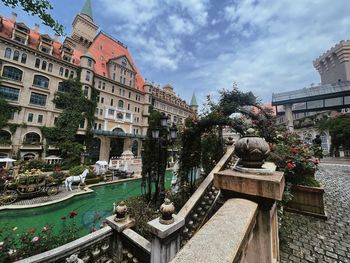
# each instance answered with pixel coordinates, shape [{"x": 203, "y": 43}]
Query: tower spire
[
  {"x": 194, "y": 100},
  {"x": 87, "y": 9}
]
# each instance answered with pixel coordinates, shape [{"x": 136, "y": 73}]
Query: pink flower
[
  {"x": 290, "y": 166},
  {"x": 45, "y": 229},
  {"x": 35, "y": 239}
]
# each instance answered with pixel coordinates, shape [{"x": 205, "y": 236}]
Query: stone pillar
[
  {"x": 289, "y": 117},
  {"x": 265, "y": 190},
  {"x": 119, "y": 225},
  {"x": 104, "y": 148},
  {"x": 166, "y": 239}
]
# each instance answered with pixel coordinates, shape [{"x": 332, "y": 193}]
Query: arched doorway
[
  {"x": 28, "y": 156},
  {"x": 117, "y": 144},
  {"x": 135, "y": 148}
]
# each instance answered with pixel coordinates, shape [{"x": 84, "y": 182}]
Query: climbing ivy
[{"x": 76, "y": 109}]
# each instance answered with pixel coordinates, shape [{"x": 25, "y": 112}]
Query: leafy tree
[
  {"x": 41, "y": 9},
  {"x": 76, "y": 109},
  {"x": 6, "y": 110},
  {"x": 339, "y": 130},
  {"x": 153, "y": 165}
]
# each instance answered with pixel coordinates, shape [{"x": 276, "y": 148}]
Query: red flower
[
  {"x": 73, "y": 214},
  {"x": 315, "y": 161},
  {"x": 295, "y": 151},
  {"x": 31, "y": 231},
  {"x": 290, "y": 166}
]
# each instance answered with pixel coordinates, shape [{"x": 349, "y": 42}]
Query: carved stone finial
[
  {"x": 120, "y": 212},
  {"x": 167, "y": 209},
  {"x": 252, "y": 150}
]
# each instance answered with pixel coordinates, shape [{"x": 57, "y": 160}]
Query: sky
[{"x": 203, "y": 46}]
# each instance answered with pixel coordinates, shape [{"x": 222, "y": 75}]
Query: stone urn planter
[{"x": 307, "y": 200}]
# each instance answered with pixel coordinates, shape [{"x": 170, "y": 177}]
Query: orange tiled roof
[{"x": 104, "y": 48}]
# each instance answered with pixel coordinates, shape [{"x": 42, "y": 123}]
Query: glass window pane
[
  {"x": 38, "y": 99},
  {"x": 9, "y": 93}
]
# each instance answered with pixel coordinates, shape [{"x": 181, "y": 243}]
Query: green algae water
[{"x": 92, "y": 208}]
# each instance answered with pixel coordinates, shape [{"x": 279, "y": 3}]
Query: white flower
[
  {"x": 1, "y": 243},
  {"x": 12, "y": 251}
]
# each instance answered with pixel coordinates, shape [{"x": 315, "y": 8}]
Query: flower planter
[{"x": 307, "y": 200}]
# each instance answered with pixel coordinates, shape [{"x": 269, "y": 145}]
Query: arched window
[
  {"x": 62, "y": 88},
  {"x": 16, "y": 55},
  {"x": 61, "y": 71},
  {"x": 5, "y": 137},
  {"x": 37, "y": 63},
  {"x": 50, "y": 67},
  {"x": 41, "y": 81},
  {"x": 28, "y": 156},
  {"x": 24, "y": 58},
  {"x": 119, "y": 130},
  {"x": 43, "y": 65},
  {"x": 120, "y": 116},
  {"x": 12, "y": 73},
  {"x": 8, "y": 53},
  {"x": 120, "y": 104},
  {"x": 71, "y": 74},
  {"x": 31, "y": 138},
  {"x": 66, "y": 73}
]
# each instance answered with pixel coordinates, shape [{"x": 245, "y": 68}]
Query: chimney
[
  {"x": 36, "y": 27},
  {"x": 14, "y": 17}
]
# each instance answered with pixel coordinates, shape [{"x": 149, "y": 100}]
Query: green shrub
[
  {"x": 76, "y": 170},
  {"x": 93, "y": 180}
]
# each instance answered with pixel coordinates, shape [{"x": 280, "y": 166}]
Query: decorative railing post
[
  {"x": 166, "y": 234},
  {"x": 119, "y": 223}
]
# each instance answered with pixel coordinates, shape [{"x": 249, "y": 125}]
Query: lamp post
[{"x": 167, "y": 137}]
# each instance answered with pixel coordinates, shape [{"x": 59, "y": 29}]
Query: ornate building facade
[{"x": 32, "y": 65}]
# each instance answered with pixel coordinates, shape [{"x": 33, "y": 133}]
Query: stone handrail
[
  {"x": 91, "y": 246},
  {"x": 202, "y": 203},
  {"x": 225, "y": 238},
  {"x": 191, "y": 203}
]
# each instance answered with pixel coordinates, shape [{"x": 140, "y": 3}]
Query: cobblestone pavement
[{"x": 308, "y": 239}]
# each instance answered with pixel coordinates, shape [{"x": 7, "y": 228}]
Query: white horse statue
[{"x": 75, "y": 179}]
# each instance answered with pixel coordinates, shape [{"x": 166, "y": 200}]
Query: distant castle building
[
  {"x": 300, "y": 108},
  {"x": 32, "y": 65}
]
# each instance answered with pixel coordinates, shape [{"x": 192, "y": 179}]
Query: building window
[
  {"x": 120, "y": 104},
  {"x": 8, "y": 93},
  {"x": 113, "y": 76},
  {"x": 129, "y": 94},
  {"x": 30, "y": 117},
  {"x": 24, "y": 58},
  {"x": 103, "y": 86},
  {"x": 102, "y": 99},
  {"x": 66, "y": 73},
  {"x": 82, "y": 124},
  {"x": 88, "y": 76},
  {"x": 43, "y": 65},
  {"x": 37, "y": 99},
  {"x": 31, "y": 138},
  {"x": 89, "y": 62},
  {"x": 40, "y": 118},
  {"x": 71, "y": 74},
  {"x": 124, "y": 81},
  {"x": 128, "y": 106},
  {"x": 121, "y": 79},
  {"x": 61, "y": 71},
  {"x": 16, "y": 55},
  {"x": 99, "y": 84},
  {"x": 41, "y": 81},
  {"x": 111, "y": 102},
  {"x": 128, "y": 115},
  {"x": 111, "y": 112},
  {"x": 8, "y": 53},
  {"x": 130, "y": 83},
  {"x": 12, "y": 73},
  {"x": 37, "y": 63},
  {"x": 55, "y": 120},
  {"x": 62, "y": 88},
  {"x": 101, "y": 111},
  {"x": 112, "y": 89},
  {"x": 50, "y": 67},
  {"x": 119, "y": 115},
  {"x": 95, "y": 126},
  {"x": 86, "y": 91},
  {"x": 100, "y": 126}
]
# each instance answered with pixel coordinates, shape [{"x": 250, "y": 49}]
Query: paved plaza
[{"x": 309, "y": 239}]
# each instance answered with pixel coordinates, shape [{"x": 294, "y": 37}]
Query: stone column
[
  {"x": 265, "y": 190},
  {"x": 289, "y": 117},
  {"x": 104, "y": 148},
  {"x": 166, "y": 237}
]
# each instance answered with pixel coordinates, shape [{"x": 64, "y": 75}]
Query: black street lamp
[{"x": 165, "y": 136}]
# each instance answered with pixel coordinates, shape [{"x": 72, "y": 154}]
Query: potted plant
[{"x": 297, "y": 161}]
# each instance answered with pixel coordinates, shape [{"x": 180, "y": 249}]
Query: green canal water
[{"x": 89, "y": 206}]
